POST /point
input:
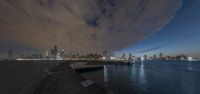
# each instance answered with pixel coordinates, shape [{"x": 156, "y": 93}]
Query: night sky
[
  {"x": 85, "y": 26},
  {"x": 180, "y": 36}
]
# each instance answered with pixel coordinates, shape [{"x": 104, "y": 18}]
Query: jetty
[
  {"x": 85, "y": 67},
  {"x": 44, "y": 77}
]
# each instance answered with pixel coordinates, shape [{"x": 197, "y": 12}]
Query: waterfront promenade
[{"x": 43, "y": 77}]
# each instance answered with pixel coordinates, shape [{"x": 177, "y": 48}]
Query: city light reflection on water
[
  {"x": 142, "y": 79},
  {"x": 153, "y": 77},
  {"x": 105, "y": 75},
  {"x": 190, "y": 66}
]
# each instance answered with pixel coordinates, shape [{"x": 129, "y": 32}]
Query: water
[{"x": 152, "y": 77}]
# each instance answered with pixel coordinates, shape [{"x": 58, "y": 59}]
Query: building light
[
  {"x": 142, "y": 59},
  {"x": 189, "y": 58},
  {"x": 19, "y": 59},
  {"x": 113, "y": 58},
  {"x": 104, "y": 58}
]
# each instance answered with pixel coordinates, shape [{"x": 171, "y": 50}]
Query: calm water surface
[{"x": 152, "y": 77}]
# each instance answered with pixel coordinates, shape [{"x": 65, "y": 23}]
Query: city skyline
[
  {"x": 172, "y": 29},
  {"x": 99, "y": 46},
  {"x": 81, "y": 26}
]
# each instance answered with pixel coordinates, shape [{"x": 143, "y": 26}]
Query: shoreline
[{"x": 44, "y": 77}]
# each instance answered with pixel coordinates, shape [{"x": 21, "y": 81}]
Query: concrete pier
[
  {"x": 84, "y": 67},
  {"x": 44, "y": 77}
]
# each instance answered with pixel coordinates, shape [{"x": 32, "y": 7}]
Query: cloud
[
  {"x": 83, "y": 25},
  {"x": 151, "y": 49},
  {"x": 173, "y": 41},
  {"x": 6, "y": 46}
]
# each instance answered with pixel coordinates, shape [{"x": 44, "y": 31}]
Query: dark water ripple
[{"x": 152, "y": 77}]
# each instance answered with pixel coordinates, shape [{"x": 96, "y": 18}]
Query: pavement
[{"x": 44, "y": 77}]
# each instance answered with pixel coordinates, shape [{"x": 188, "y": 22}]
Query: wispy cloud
[
  {"x": 151, "y": 49},
  {"x": 83, "y": 25},
  {"x": 16, "y": 47}
]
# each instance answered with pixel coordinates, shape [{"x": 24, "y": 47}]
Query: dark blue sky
[{"x": 181, "y": 35}]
